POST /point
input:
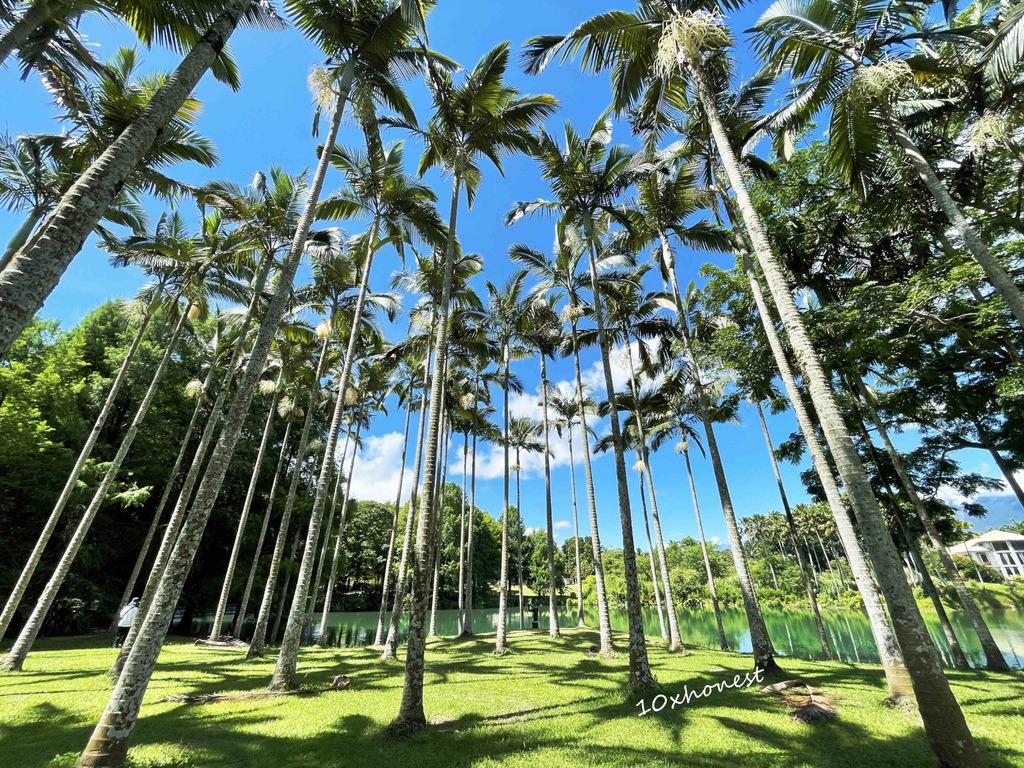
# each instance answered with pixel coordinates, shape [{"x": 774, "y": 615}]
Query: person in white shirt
[{"x": 127, "y": 618}]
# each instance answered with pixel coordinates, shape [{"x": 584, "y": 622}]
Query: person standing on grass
[{"x": 124, "y": 623}]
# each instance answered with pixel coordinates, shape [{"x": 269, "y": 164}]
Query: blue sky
[{"x": 268, "y": 123}]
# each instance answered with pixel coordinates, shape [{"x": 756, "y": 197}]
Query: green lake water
[{"x": 792, "y": 631}]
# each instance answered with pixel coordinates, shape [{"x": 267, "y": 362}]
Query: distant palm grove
[{"x": 859, "y": 166}]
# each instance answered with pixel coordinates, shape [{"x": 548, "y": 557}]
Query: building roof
[{"x": 997, "y": 535}]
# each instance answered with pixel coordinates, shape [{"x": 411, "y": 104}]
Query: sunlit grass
[{"x": 546, "y": 704}]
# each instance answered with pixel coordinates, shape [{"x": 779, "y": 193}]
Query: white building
[{"x": 996, "y": 549}]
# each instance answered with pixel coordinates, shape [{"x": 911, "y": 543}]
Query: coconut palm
[
  {"x": 587, "y": 178},
  {"x": 479, "y": 117},
  {"x": 854, "y": 60},
  {"x": 37, "y": 267},
  {"x": 558, "y": 275}
]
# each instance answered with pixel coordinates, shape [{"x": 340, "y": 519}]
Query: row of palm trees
[{"x": 671, "y": 69}]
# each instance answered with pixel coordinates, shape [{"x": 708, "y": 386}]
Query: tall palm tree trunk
[
  {"x": 377, "y": 636},
  {"x": 553, "y": 629},
  {"x": 650, "y": 550},
  {"x": 314, "y": 598},
  {"x": 410, "y": 712},
  {"x": 943, "y": 719},
  {"x": 576, "y": 531},
  {"x": 285, "y": 591},
  {"x": 38, "y": 266},
  {"x": 956, "y": 651},
  {"x": 258, "y": 644},
  {"x": 288, "y": 659},
  {"x": 14, "y": 37},
  {"x": 467, "y": 604},
  {"x": 108, "y": 746},
  {"x": 603, "y": 615},
  {"x": 519, "y": 543},
  {"x": 438, "y": 530},
  {"x": 391, "y": 642},
  {"x": 165, "y": 497},
  {"x": 896, "y": 674},
  {"x": 994, "y": 660},
  {"x": 675, "y": 642},
  {"x": 462, "y": 528},
  {"x": 18, "y": 592},
  {"x": 812, "y": 598},
  {"x": 723, "y": 643},
  {"x": 764, "y": 653},
  {"x": 501, "y": 642},
  {"x": 185, "y": 495},
  {"x": 23, "y": 644},
  {"x": 250, "y": 494},
  {"x": 1000, "y": 279},
  {"x": 339, "y": 541},
  {"x": 640, "y": 676},
  {"x": 243, "y": 605}
]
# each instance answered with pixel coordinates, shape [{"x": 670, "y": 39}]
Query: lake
[{"x": 792, "y": 631}]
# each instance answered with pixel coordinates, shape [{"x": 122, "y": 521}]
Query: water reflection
[{"x": 792, "y": 631}]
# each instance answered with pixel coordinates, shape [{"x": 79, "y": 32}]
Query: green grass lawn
[{"x": 546, "y": 704}]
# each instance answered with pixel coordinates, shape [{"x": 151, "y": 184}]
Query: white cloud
[
  {"x": 491, "y": 458},
  {"x": 561, "y": 525},
  {"x": 377, "y": 467},
  {"x": 954, "y": 496}
]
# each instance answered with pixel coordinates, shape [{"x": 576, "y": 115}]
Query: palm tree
[
  {"x": 855, "y": 60},
  {"x": 566, "y": 417},
  {"x": 479, "y": 117},
  {"x": 109, "y": 743},
  {"x": 791, "y": 528},
  {"x": 218, "y": 616},
  {"x": 506, "y": 319},
  {"x": 403, "y": 389},
  {"x": 37, "y": 267},
  {"x": 521, "y": 437},
  {"x": 688, "y": 39},
  {"x": 293, "y": 336},
  {"x": 558, "y": 275},
  {"x": 399, "y": 209},
  {"x": 587, "y": 177},
  {"x": 372, "y": 392},
  {"x": 544, "y": 331},
  {"x": 896, "y": 673},
  {"x": 42, "y": 27},
  {"x": 312, "y": 379},
  {"x": 633, "y": 315},
  {"x": 214, "y": 246}
]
